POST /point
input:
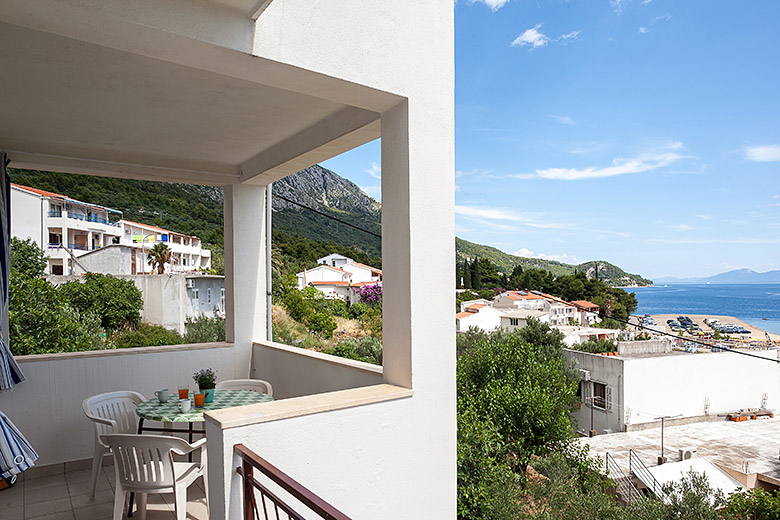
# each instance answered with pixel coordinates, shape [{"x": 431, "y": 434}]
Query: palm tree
[{"x": 158, "y": 256}]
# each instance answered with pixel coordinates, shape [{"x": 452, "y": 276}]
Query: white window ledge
[
  {"x": 306, "y": 405},
  {"x": 120, "y": 352}
]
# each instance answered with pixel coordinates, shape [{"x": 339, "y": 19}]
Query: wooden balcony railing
[{"x": 260, "y": 503}]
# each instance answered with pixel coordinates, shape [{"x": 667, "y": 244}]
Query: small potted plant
[{"x": 207, "y": 380}]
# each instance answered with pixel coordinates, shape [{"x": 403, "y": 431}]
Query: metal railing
[
  {"x": 258, "y": 499},
  {"x": 638, "y": 468},
  {"x": 625, "y": 486},
  {"x": 55, "y": 213},
  {"x": 93, "y": 218}
]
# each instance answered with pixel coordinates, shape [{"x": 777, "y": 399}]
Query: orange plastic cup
[
  {"x": 200, "y": 399},
  {"x": 184, "y": 393}
]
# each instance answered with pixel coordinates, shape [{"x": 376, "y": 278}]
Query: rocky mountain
[
  {"x": 319, "y": 188},
  {"x": 737, "y": 276}
]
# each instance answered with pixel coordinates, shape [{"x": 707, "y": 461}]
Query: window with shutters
[{"x": 600, "y": 395}]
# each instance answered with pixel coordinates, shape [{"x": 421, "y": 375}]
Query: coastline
[{"x": 756, "y": 334}]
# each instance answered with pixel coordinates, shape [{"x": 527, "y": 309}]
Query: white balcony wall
[
  {"x": 27, "y": 216},
  {"x": 47, "y": 407}
]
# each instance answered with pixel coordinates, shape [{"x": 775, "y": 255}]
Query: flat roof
[{"x": 725, "y": 443}]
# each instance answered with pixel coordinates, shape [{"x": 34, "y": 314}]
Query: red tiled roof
[
  {"x": 464, "y": 314},
  {"x": 584, "y": 303},
  {"x": 476, "y": 306},
  {"x": 148, "y": 226},
  {"x": 52, "y": 195},
  {"x": 361, "y": 284},
  {"x": 373, "y": 269},
  {"x": 515, "y": 295}
]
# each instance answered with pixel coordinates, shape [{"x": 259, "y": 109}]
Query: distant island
[{"x": 737, "y": 276}]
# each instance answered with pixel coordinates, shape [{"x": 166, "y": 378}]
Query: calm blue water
[{"x": 749, "y": 303}]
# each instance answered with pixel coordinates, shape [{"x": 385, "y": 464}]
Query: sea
[{"x": 756, "y": 304}]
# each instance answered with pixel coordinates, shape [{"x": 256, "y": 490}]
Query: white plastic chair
[
  {"x": 112, "y": 412},
  {"x": 144, "y": 464},
  {"x": 253, "y": 385}
]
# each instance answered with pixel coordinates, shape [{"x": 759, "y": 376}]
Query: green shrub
[
  {"x": 357, "y": 310},
  {"x": 368, "y": 349},
  {"x": 336, "y": 307},
  {"x": 117, "y": 302},
  {"x": 42, "y": 321},
  {"x": 145, "y": 335},
  {"x": 205, "y": 330},
  {"x": 322, "y": 324},
  {"x": 27, "y": 259},
  {"x": 596, "y": 346}
]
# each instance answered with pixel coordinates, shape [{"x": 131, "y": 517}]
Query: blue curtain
[{"x": 10, "y": 374}]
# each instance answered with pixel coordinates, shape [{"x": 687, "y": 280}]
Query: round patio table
[{"x": 154, "y": 410}]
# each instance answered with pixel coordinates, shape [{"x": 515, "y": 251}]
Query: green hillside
[{"x": 505, "y": 262}]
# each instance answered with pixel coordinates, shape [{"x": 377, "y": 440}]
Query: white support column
[{"x": 245, "y": 260}]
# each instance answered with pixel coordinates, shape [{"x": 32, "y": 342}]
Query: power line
[{"x": 318, "y": 212}]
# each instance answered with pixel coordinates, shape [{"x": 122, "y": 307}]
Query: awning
[
  {"x": 10, "y": 373},
  {"x": 16, "y": 454}
]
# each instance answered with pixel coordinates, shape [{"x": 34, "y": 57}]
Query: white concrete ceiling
[{"x": 69, "y": 105}]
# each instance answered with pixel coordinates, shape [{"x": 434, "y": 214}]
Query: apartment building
[
  {"x": 67, "y": 229},
  {"x": 63, "y": 227}
]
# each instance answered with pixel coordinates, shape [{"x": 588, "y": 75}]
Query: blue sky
[{"x": 644, "y": 133}]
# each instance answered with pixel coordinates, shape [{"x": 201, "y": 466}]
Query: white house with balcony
[
  {"x": 344, "y": 282},
  {"x": 239, "y": 94},
  {"x": 64, "y": 228},
  {"x": 334, "y": 260},
  {"x": 187, "y": 253},
  {"x": 480, "y": 316}
]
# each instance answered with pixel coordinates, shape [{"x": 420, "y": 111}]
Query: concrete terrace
[
  {"x": 747, "y": 447},
  {"x": 49, "y": 494}
]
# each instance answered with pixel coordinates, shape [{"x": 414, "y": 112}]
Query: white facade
[
  {"x": 238, "y": 94},
  {"x": 187, "y": 253},
  {"x": 639, "y": 388},
  {"x": 67, "y": 229},
  {"x": 63, "y": 227},
  {"x": 334, "y": 260},
  {"x": 480, "y": 316},
  {"x": 344, "y": 282},
  {"x": 518, "y": 319}
]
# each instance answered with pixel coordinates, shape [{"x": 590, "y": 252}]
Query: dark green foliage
[
  {"x": 467, "y": 275},
  {"x": 298, "y": 251},
  {"x": 27, "y": 259},
  {"x": 368, "y": 349},
  {"x": 205, "y": 330},
  {"x": 755, "y": 504},
  {"x": 488, "y": 488},
  {"x": 476, "y": 275},
  {"x": 321, "y": 323},
  {"x": 145, "y": 335},
  {"x": 520, "y": 382},
  {"x": 116, "y": 301},
  {"x": 42, "y": 320},
  {"x": 357, "y": 310},
  {"x": 609, "y": 273},
  {"x": 596, "y": 346}
]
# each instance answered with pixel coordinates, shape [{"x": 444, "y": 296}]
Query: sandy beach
[{"x": 756, "y": 334}]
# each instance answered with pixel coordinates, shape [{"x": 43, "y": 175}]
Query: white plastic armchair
[
  {"x": 144, "y": 464},
  {"x": 253, "y": 385},
  {"x": 112, "y": 412}
]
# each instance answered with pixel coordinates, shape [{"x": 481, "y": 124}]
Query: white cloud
[
  {"x": 617, "y": 5},
  {"x": 490, "y": 213},
  {"x": 681, "y": 227},
  {"x": 768, "y": 153},
  {"x": 523, "y": 176},
  {"x": 644, "y": 30},
  {"x": 620, "y": 166},
  {"x": 375, "y": 171},
  {"x": 532, "y": 37},
  {"x": 645, "y": 2},
  {"x": 566, "y": 38},
  {"x": 373, "y": 190},
  {"x": 564, "y": 120},
  {"x": 563, "y": 257},
  {"x": 663, "y": 18},
  {"x": 704, "y": 217},
  {"x": 494, "y": 5},
  {"x": 586, "y": 147},
  {"x": 482, "y": 172}
]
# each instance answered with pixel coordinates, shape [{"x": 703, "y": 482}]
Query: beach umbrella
[
  {"x": 16, "y": 454},
  {"x": 10, "y": 373}
]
